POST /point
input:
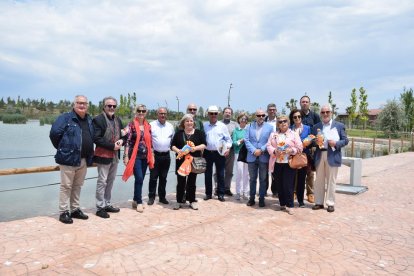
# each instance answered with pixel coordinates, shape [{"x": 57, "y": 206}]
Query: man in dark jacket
[
  {"x": 108, "y": 142},
  {"x": 72, "y": 135}
]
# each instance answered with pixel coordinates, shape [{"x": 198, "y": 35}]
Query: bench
[{"x": 354, "y": 186}]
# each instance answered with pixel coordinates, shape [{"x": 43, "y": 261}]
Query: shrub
[{"x": 14, "y": 119}]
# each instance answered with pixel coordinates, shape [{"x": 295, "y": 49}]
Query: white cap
[{"x": 212, "y": 108}]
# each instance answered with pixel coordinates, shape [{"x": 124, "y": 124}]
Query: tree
[
  {"x": 291, "y": 104},
  {"x": 407, "y": 102},
  {"x": 391, "y": 118},
  {"x": 315, "y": 107},
  {"x": 351, "y": 110},
  {"x": 363, "y": 106},
  {"x": 333, "y": 105},
  {"x": 2, "y": 103},
  {"x": 200, "y": 112}
]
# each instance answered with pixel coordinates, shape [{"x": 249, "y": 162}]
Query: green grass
[
  {"x": 48, "y": 120},
  {"x": 14, "y": 119}
]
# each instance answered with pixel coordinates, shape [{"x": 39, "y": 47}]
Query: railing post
[
  {"x": 373, "y": 148},
  {"x": 352, "y": 147},
  {"x": 389, "y": 144}
]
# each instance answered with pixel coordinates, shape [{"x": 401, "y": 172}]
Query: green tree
[
  {"x": 363, "y": 106},
  {"x": 291, "y": 104},
  {"x": 407, "y": 101},
  {"x": 351, "y": 110},
  {"x": 2, "y": 103},
  {"x": 391, "y": 118},
  {"x": 333, "y": 105},
  {"x": 200, "y": 112},
  {"x": 315, "y": 107}
]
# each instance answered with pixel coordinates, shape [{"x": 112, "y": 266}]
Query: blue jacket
[
  {"x": 66, "y": 137},
  {"x": 334, "y": 157},
  {"x": 252, "y": 143}
]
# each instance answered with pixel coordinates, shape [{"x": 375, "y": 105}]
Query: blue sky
[{"x": 271, "y": 51}]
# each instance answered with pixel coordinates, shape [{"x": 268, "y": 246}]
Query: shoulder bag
[{"x": 298, "y": 161}]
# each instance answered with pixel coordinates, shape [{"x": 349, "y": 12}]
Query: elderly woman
[
  {"x": 303, "y": 131},
  {"x": 138, "y": 153},
  {"x": 187, "y": 184},
  {"x": 242, "y": 176},
  {"x": 283, "y": 143}
]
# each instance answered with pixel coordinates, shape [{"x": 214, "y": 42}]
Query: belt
[
  {"x": 161, "y": 153},
  {"x": 324, "y": 149}
]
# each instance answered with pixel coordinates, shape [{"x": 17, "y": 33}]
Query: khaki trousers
[
  {"x": 72, "y": 179},
  {"x": 325, "y": 181}
]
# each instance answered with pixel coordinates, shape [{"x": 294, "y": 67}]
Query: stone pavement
[{"x": 371, "y": 233}]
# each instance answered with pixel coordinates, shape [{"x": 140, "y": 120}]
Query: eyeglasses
[
  {"x": 243, "y": 120},
  {"x": 192, "y": 109},
  {"x": 325, "y": 112},
  {"x": 260, "y": 115},
  {"x": 297, "y": 117},
  {"x": 282, "y": 121},
  {"x": 162, "y": 114},
  {"x": 213, "y": 113},
  {"x": 81, "y": 103},
  {"x": 271, "y": 109},
  {"x": 111, "y": 105},
  {"x": 141, "y": 111}
]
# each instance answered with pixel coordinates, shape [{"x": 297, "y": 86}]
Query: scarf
[
  {"x": 111, "y": 135},
  {"x": 185, "y": 167},
  {"x": 129, "y": 170}
]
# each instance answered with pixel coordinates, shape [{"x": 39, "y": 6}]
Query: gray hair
[
  {"x": 140, "y": 106},
  {"x": 327, "y": 106},
  {"x": 79, "y": 96},
  {"x": 109, "y": 98},
  {"x": 183, "y": 119},
  {"x": 161, "y": 107}
]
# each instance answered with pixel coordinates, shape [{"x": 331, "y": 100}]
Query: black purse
[
  {"x": 242, "y": 154},
  {"x": 199, "y": 165}
]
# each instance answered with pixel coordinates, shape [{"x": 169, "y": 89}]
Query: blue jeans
[
  {"x": 213, "y": 157},
  {"x": 254, "y": 168},
  {"x": 140, "y": 167}
]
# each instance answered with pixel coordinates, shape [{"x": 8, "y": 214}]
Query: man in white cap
[{"x": 218, "y": 147}]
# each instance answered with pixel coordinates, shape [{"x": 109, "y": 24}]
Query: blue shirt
[{"x": 215, "y": 133}]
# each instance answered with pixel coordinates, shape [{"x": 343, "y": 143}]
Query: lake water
[{"x": 31, "y": 139}]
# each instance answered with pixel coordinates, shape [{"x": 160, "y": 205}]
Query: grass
[
  {"x": 48, "y": 120},
  {"x": 14, "y": 119}
]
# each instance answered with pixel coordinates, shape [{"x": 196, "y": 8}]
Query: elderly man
[
  {"x": 192, "y": 109},
  {"x": 218, "y": 147},
  {"x": 257, "y": 135},
  {"x": 228, "y": 171},
  {"x": 310, "y": 118},
  {"x": 72, "y": 135},
  {"x": 108, "y": 141},
  {"x": 328, "y": 157},
  {"x": 161, "y": 132}
]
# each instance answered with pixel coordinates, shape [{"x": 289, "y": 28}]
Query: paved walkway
[{"x": 371, "y": 233}]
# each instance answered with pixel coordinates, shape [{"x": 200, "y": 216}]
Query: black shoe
[
  {"x": 65, "y": 218},
  {"x": 78, "y": 214},
  {"x": 207, "y": 197},
  {"x": 112, "y": 209},
  {"x": 301, "y": 205},
  {"x": 163, "y": 201},
  {"x": 221, "y": 198},
  {"x": 262, "y": 203},
  {"x": 102, "y": 213},
  {"x": 228, "y": 192},
  {"x": 251, "y": 203},
  {"x": 331, "y": 209},
  {"x": 317, "y": 207},
  {"x": 150, "y": 201}
]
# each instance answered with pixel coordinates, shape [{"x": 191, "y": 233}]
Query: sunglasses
[
  {"x": 141, "y": 111},
  {"x": 213, "y": 113},
  {"x": 192, "y": 109},
  {"x": 111, "y": 105},
  {"x": 162, "y": 113},
  {"x": 282, "y": 121},
  {"x": 261, "y": 116},
  {"x": 325, "y": 112},
  {"x": 297, "y": 117}
]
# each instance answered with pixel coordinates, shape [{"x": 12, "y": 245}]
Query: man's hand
[
  {"x": 227, "y": 153},
  {"x": 332, "y": 143},
  {"x": 257, "y": 152}
]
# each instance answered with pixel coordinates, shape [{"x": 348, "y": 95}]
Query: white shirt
[
  {"x": 272, "y": 123},
  {"x": 326, "y": 128},
  {"x": 161, "y": 135},
  {"x": 215, "y": 133}
]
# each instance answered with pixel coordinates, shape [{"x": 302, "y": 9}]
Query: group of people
[{"x": 270, "y": 141}]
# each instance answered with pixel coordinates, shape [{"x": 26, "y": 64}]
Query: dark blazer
[{"x": 334, "y": 157}]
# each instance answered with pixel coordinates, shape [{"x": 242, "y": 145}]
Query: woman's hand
[{"x": 126, "y": 160}]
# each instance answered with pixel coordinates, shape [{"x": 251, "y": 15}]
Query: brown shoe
[
  {"x": 317, "y": 207},
  {"x": 311, "y": 198}
]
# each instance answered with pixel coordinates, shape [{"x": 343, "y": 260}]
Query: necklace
[{"x": 188, "y": 135}]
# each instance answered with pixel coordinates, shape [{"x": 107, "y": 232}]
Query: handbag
[
  {"x": 298, "y": 161},
  {"x": 242, "y": 154},
  {"x": 198, "y": 165}
]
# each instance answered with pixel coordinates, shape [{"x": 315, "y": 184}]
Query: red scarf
[{"x": 129, "y": 170}]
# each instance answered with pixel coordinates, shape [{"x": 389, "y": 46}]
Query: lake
[{"x": 20, "y": 196}]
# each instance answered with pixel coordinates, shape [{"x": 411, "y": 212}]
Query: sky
[{"x": 269, "y": 50}]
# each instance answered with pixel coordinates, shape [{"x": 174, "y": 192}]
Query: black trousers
[
  {"x": 285, "y": 179},
  {"x": 160, "y": 171},
  {"x": 186, "y": 187}
]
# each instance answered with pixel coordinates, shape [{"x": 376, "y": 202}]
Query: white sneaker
[
  {"x": 289, "y": 210},
  {"x": 194, "y": 205},
  {"x": 140, "y": 208},
  {"x": 177, "y": 206},
  {"x": 237, "y": 196}
]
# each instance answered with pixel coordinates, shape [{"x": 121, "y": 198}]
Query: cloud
[{"x": 269, "y": 50}]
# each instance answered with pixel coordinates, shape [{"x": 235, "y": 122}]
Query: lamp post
[
  {"x": 228, "y": 98},
  {"x": 178, "y": 108}
]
